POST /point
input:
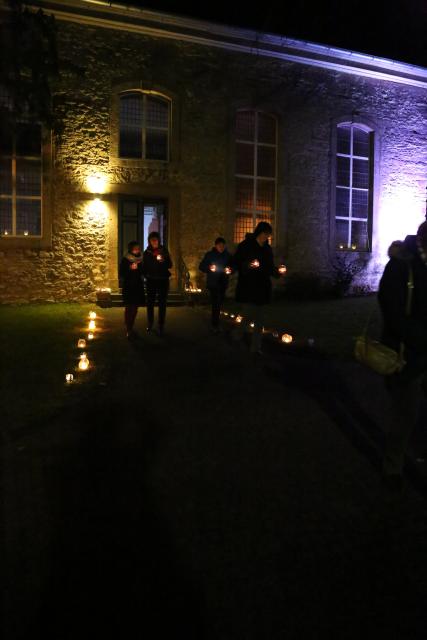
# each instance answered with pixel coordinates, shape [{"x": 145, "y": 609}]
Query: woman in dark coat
[
  {"x": 255, "y": 265},
  {"x": 411, "y": 330},
  {"x": 216, "y": 265},
  {"x": 156, "y": 267},
  {"x": 132, "y": 282}
]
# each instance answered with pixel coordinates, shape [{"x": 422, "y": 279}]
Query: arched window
[
  {"x": 353, "y": 187},
  {"x": 255, "y": 171},
  {"x": 144, "y": 126}
]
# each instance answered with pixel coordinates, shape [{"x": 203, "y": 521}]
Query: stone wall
[{"x": 206, "y": 86}]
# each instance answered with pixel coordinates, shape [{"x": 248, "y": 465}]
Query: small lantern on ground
[
  {"x": 90, "y": 335},
  {"x": 92, "y": 325},
  {"x": 286, "y": 338},
  {"x": 92, "y": 315},
  {"x": 239, "y": 319},
  {"x": 69, "y": 378},
  {"x": 83, "y": 362},
  {"x": 81, "y": 343}
]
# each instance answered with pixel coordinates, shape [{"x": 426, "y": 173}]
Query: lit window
[
  {"x": 353, "y": 208},
  {"x": 255, "y": 172},
  {"x": 20, "y": 180},
  {"x": 144, "y": 126}
]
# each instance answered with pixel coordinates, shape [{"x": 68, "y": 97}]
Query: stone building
[{"x": 199, "y": 129}]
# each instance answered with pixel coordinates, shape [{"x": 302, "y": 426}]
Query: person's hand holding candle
[
  {"x": 228, "y": 270},
  {"x": 134, "y": 266},
  {"x": 159, "y": 257},
  {"x": 254, "y": 264},
  {"x": 212, "y": 267},
  {"x": 282, "y": 269}
]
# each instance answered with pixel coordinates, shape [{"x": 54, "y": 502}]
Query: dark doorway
[{"x": 137, "y": 218}]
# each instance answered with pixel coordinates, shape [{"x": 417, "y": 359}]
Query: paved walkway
[{"x": 194, "y": 493}]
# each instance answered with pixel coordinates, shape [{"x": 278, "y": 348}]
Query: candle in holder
[
  {"x": 81, "y": 343},
  {"x": 232, "y": 315},
  {"x": 282, "y": 269},
  {"x": 228, "y": 270},
  {"x": 92, "y": 325},
  {"x": 212, "y": 267},
  {"x": 252, "y": 324},
  {"x": 159, "y": 257},
  {"x": 254, "y": 264},
  {"x": 239, "y": 319},
  {"x": 92, "y": 315},
  {"x": 286, "y": 338},
  {"x": 84, "y": 362},
  {"x": 69, "y": 378},
  {"x": 90, "y": 336}
]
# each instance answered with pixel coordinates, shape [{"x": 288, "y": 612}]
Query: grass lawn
[
  {"x": 37, "y": 347},
  {"x": 332, "y": 323}
]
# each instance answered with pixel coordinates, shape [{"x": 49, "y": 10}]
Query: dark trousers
[
  {"x": 130, "y": 315},
  {"x": 157, "y": 289},
  {"x": 217, "y": 300}
]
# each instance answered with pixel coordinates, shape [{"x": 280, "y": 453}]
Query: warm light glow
[
  {"x": 212, "y": 267},
  {"x": 226, "y": 313},
  {"x": 228, "y": 270},
  {"x": 254, "y": 264},
  {"x": 81, "y": 343},
  {"x": 84, "y": 362},
  {"x": 252, "y": 324},
  {"x": 92, "y": 325},
  {"x": 90, "y": 336},
  {"x": 159, "y": 258},
  {"x": 97, "y": 183},
  {"x": 191, "y": 289},
  {"x": 6, "y": 233},
  {"x": 282, "y": 269},
  {"x": 103, "y": 290},
  {"x": 69, "y": 378},
  {"x": 25, "y": 233},
  {"x": 232, "y": 315},
  {"x": 286, "y": 338},
  {"x": 92, "y": 315},
  {"x": 97, "y": 210},
  {"x": 239, "y": 319}
]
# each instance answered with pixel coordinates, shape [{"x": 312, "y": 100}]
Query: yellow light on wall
[
  {"x": 92, "y": 325},
  {"x": 97, "y": 209},
  {"x": 97, "y": 183},
  {"x": 286, "y": 338}
]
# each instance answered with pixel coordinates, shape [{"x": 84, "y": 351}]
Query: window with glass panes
[
  {"x": 255, "y": 172},
  {"x": 144, "y": 126},
  {"x": 353, "y": 195},
  {"x": 21, "y": 181}
]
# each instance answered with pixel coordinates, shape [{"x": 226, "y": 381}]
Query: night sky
[{"x": 396, "y": 29}]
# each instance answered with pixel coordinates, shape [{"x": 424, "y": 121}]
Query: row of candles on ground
[
  {"x": 84, "y": 361},
  {"x": 286, "y": 338}
]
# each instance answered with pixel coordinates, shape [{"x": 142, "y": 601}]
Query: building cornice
[{"x": 98, "y": 13}]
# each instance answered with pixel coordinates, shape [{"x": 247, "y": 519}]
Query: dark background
[{"x": 396, "y": 29}]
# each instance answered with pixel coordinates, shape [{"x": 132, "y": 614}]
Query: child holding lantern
[
  {"x": 157, "y": 263},
  {"x": 254, "y": 262},
  {"x": 132, "y": 283},
  {"x": 216, "y": 264}
]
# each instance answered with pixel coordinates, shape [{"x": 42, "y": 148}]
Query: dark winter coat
[
  {"x": 132, "y": 280},
  {"x": 216, "y": 279},
  {"x": 392, "y": 296},
  {"x": 254, "y": 285},
  {"x": 153, "y": 268}
]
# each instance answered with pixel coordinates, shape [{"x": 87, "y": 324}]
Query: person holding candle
[
  {"x": 157, "y": 263},
  {"x": 132, "y": 283},
  {"x": 255, "y": 265},
  {"x": 216, "y": 264}
]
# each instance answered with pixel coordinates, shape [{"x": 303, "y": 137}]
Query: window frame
[
  {"x": 255, "y": 142},
  {"x": 370, "y": 190},
  {"x": 145, "y": 95}
]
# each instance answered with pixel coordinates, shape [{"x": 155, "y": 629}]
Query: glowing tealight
[
  {"x": 81, "y": 343},
  {"x": 282, "y": 269},
  {"x": 92, "y": 325},
  {"x": 69, "y": 378},
  {"x": 226, "y": 313},
  {"x": 92, "y": 315},
  {"x": 25, "y": 233},
  {"x": 228, "y": 270},
  {"x": 6, "y": 233},
  {"x": 159, "y": 258},
  {"x": 232, "y": 315},
  {"x": 239, "y": 319},
  {"x": 254, "y": 264},
  {"x": 341, "y": 246},
  {"x": 90, "y": 336},
  {"x": 212, "y": 267},
  {"x": 286, "y": 338},
  {"x": 252, "y": 324},
  {"x": 84, "y": 362}
]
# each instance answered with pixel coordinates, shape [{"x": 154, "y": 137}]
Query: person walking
[
  {"x": 132, "y": 284},
  {"x": 156, "y": 265},
  {"x": 406, "y": 268},
  {"x": 216, "y": 265},
  {"x": 255, "y": 265}
]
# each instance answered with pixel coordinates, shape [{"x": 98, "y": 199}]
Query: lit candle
[
  {"x": 354, "y": 247},
  {"x": 341, "y": 246},
  {"x": 282, "y": 269},
  {"x": 92, "y": 315},
  {"x": 92, "y": 325},
  {"x": 252, "y": 324},
  {"x": 81, "y": 343},
  {"x": 90, "y": 336},
  {"x": 25, "y": 233},
  {"x": 212, "y": 267},
  {"x": 159, "y": 257},
  {"x": 84, "y": 362},
  {"x": 228, "y": 270},
  {"x": 69, "y": 378},
  {"x": 232, "y": 315},
  {"x": 226, "y": 313},
  {"x": 239, "y": 319},
  {"x": 254, "y": 264},
  {"x": 286, "y": 338},
  {"x": 6, "y": 233}
]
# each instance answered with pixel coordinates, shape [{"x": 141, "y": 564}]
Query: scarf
[{"x": 133, "y": 258}]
